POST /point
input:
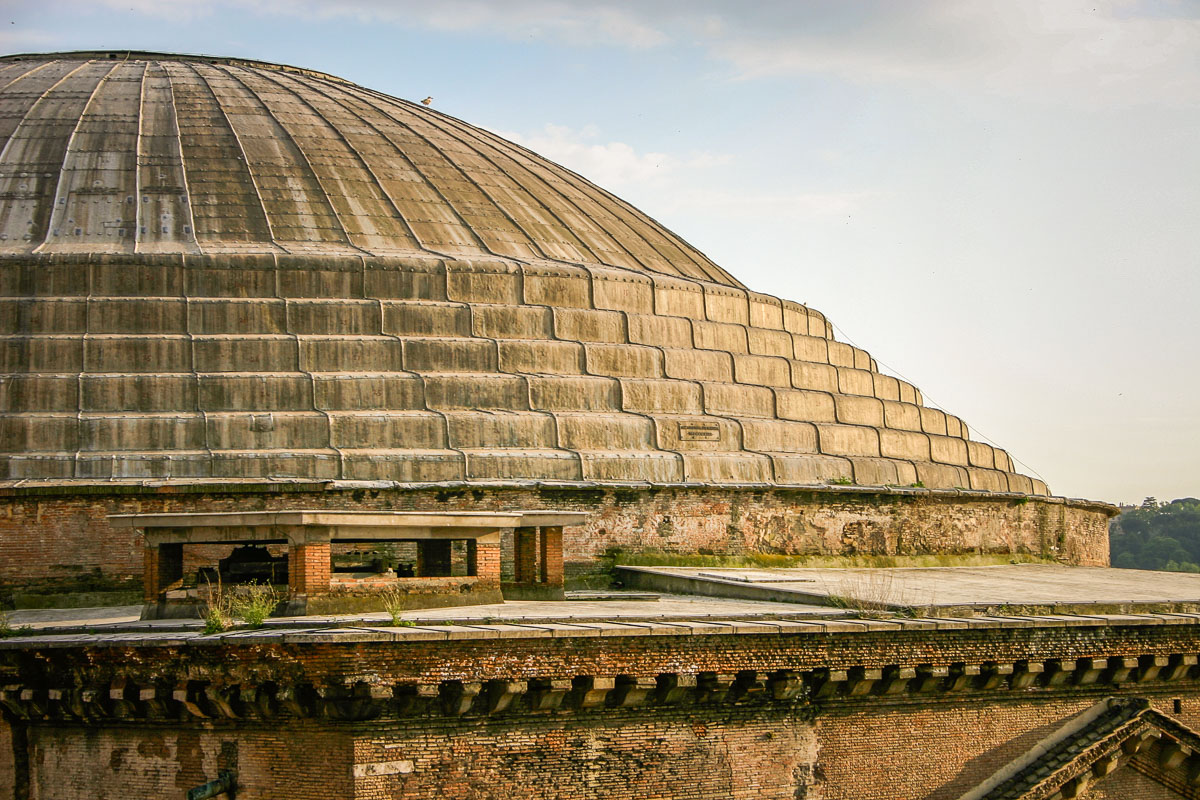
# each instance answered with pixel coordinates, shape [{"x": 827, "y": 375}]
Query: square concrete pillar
[
  {"x": 550, "y": 568},
  {"x": 525, "y": 554},
  {"x": 433, "y": 558},
  {"x": 309, "y": 568}
]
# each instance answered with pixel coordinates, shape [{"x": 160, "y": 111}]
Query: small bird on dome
[{"x": 427, "y": 100}]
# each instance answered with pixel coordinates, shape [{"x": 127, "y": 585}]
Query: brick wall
[
  {"x": 300, "y": 763},
  {"x": 927, "y": 748},
  {"x": 309, "y": 571},
  {"x": 51, "y": 537},
  {"x": 8, "y": 763},
  {"x": 734, "y": 754},
  {"x": 867, "y": 747},
  {"x": 877, "y": 751},
  {"x": 1128, "y": 784}
]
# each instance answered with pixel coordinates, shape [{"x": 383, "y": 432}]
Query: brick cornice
[{"x": 350, "y": 674}]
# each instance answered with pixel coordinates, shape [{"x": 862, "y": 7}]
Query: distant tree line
[{"x": 1157, "y": 535}]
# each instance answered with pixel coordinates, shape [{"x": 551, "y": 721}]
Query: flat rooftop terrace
[
  {"x": 1015, "y": 586},
  {"x": 582, "y": 607},
  {"x": 759, "y": 600}
]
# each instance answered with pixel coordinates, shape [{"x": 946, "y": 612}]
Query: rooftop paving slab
[
  {"x": 1013, "y": 596},
  {"x": 1013, "y": 585},
  {"x": 658, "y": 608}
]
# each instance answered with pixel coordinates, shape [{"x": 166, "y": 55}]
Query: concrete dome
[{"x": 213, "y": 269}]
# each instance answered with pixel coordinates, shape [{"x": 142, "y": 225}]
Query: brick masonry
[
  {"x": 309, "y": 569},
  {"x": 877, "y": 754},
  {"x": 53, "y": 536},
  {"x": 870, "y": 744}
]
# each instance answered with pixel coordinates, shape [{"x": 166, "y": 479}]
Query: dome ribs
[
  {"x": 295, "y": 204},
  {"x": 431, "y": 217},
  {"x": 227, "y": 207},
  {"x": 96, "y": 205},
  {"x": 15, "y": 70},
  {"x": 522, "y": 207},
  {"x": 369, "y": 217},
  {"x": 164, "y": 213},
  {"x": 21, "y": 90},
  {"x": 659, "y": 248},
  {"x": 421, "y": 126},
  {"x": 375, "y": 152},
  {"x": 32, "y": 161},
  {"x": 452, "y": 307},
  {"x": 521, "y": 203},
  {"x": 576, "y": 226},
  {"x": 497, "y": 234}
]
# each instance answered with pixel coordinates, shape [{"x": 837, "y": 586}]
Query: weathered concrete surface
[
  {"x": 665, "y": 607},
  {"x": 1014, "y": 585},
  {"x": 222, "y": 269}
]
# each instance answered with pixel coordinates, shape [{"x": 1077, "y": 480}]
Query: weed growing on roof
[
  {"x": 393, "y": 604},
  {"x": 254, "y": 602},
  {"x": 7, "y": 630},
  {"x": 251, "y": 603}
]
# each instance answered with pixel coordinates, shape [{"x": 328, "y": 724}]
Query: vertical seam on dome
[
  {"x": 83, "y": 348},
  {"x": 441, "y": 414},
  {"x": 241, "y": 149},
  {"x": 418, "y": 113},
  {"x": 741, "y": 428},
  {"x": 67, "y": 147},
  {"x": 187, "y": 301},
  {"x": 301, "y": 367},
  {"x": 187, "y": 190},
  {"x": 22, "y": 76},
  {"x": 350, "y": 147},
  {"x": 40, "y": 98},
  {"x": 59, "y": 198},
  {"x": 87, "y": 310},
  {"x": 14, "y": 67},
  {"x": 415, "y": 167},
  {"x": 400, "y": 342},
  {"x": 138, "y": 214},
  {"x": 680, "y": 463},
  {"x": 324, "y": 193}
]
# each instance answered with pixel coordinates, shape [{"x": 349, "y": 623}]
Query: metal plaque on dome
[{"x": 699, "y": 432}]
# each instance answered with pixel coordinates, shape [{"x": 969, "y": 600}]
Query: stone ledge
[
  {"x": 196, "y": 699},
  {"x": 352, "y": 631},
  {"x": 25, "y": 488}
]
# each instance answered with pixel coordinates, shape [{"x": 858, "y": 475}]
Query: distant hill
[{"x": 1157, "y": 535}]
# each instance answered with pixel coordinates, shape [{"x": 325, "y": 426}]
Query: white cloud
[
  {"x": 179, "y": 11},
  {"x": 1094, "y": 53},
  {"x": 561, "y": 20},
  {"x": 1089, "y": 53},
  {"x": 613, "y": 165}
]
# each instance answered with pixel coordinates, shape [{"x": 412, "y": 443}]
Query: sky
[{"x": 999, "y": 200}]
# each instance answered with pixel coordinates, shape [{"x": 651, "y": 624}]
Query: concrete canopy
[{"x": 214, "y": 269}]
